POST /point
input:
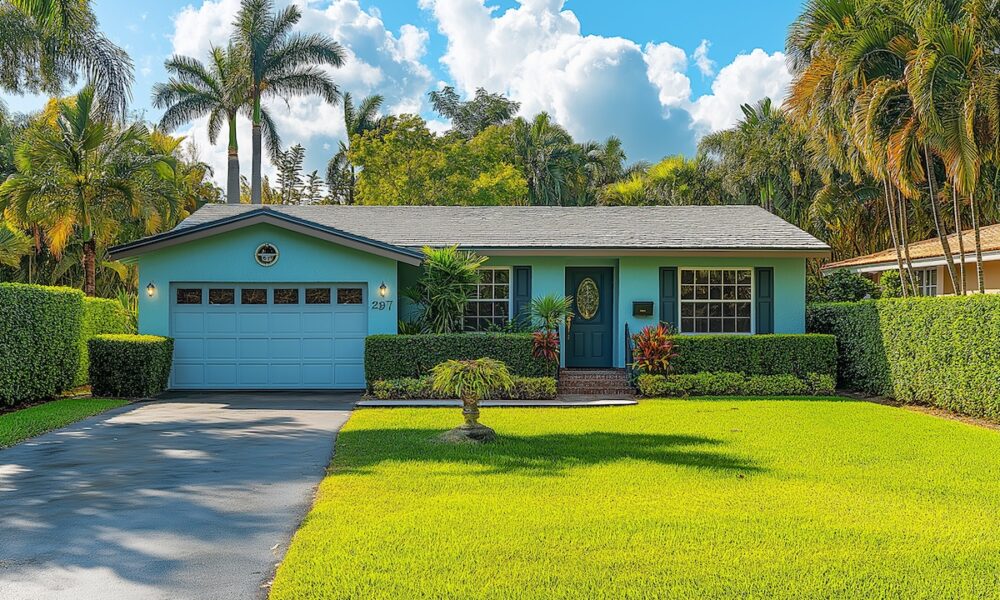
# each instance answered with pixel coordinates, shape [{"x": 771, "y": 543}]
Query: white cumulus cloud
[
  {"x": 747, "y": 79},
  {"x": 705, "y": 64}
]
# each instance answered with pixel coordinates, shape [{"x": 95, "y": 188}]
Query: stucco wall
[{"x": 229, "y": 258}]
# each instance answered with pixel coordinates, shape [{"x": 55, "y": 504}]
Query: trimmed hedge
[
  {"x": 399, "y": 356},
  {"x": 736, "y": 384},
  {"x": 129, "y": 366},
  {"x": 412, "y": 388},
  {"x": 774, "y": 354},
  {"x": 941, "y": 351},
  {"x": 100, "y": 315},
  {"x": 40, "y": 333}
]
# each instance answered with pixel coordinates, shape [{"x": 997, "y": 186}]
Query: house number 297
[{"x": 381, "y": 304}]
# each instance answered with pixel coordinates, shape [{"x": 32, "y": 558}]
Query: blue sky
[{"x": 659, "y": 74}]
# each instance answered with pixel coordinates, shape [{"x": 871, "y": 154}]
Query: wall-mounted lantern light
[
  {"x": 150, "y": 289},
  {"x": 383, "y": 290}
]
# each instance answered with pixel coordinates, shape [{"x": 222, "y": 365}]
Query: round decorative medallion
[
  {"x": 588, "y": 299},
  {"x": 266, "y": 254}
]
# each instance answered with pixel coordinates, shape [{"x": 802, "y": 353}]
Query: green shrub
[
  {"x": 778, "y": 354},
  {"x": 735, "y": 384},
  {"x": 411, "y": 388},
  {"x": 861, "y": 358},
  {"x": 99, "y": 316},
  {"x": 941, "y": 351},
  {"x": 39, "y": 341},
  {"x": 396, "y": 356},
  {"x": 844, "y": 286},
  {"x": 129, "y": 366}
]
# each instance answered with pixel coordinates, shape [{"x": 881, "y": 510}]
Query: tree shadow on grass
[{"x": 543, "y": 455}]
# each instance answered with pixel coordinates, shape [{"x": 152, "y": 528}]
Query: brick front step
[{"x": 602, "y": 382}]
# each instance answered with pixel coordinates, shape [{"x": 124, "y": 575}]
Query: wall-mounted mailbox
[{"x": 642, "y": 309}]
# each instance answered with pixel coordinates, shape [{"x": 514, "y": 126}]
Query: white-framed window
[
  {"x": 490, "y": 303},
  {"x": 927, "y": 281},
  {"x": 716, "y": 300}
]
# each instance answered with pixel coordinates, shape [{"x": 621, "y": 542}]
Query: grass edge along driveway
[
  {"x": 19, "y": 425},
  {"x": 671, "y": 498}
]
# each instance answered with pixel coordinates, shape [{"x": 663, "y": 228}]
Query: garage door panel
[
  {"x": 185, "y": 322},
  {"x": 268, "y": 345},
  {"x": 253, "y": 348},
  {"x": 186, "y": 374},
  {"x": 189, "y": 348},
  {"x": 317, "y": 323},
  {"x": 220, "y": 374},
  {"x": 286, "y": 322},
  {"x": 221, "y": 322},
  {"x": 317, "y": 348},
  {"x": 350, "y": 323},
  {"x": 220, "y": 349},
  {"x": 349, "y": 375},
  {"x": 285, "y": 349},
  {"x": 253, "y": 322}
]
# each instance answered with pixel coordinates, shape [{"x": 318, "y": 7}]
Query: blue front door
[{"x": 590, "y": 338}]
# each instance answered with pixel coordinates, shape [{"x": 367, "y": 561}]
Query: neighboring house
[
  {"x": 283, "y": 296},
  {"x": 929, "y": 265}
]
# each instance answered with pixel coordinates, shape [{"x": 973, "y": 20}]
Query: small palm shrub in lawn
[{"x": 471, "y": 381}]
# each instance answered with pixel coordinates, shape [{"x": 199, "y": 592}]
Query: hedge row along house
[
  {"x": 284, "y": 296},
  {"x": 930, "y": 268}
]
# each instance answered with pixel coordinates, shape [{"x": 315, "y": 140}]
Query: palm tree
[
  {"x": 546, "y": 153},
  {"x": 81, "y": 175},
  {"x": 45, "y": 44},
  {"x": 281, "y": 64},
  {"x": 221, "y": 90},
  {"x": 341, "y": 174}
]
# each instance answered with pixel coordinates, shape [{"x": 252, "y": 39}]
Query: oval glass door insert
[{"x": 588, "y": 299}]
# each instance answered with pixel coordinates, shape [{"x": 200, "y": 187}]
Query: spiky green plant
[{"x": 446, "y": 283}]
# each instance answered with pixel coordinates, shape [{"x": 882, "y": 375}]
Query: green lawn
[
  {"x": 672, "y": 498},
  {"x": 29, "y": 422}
]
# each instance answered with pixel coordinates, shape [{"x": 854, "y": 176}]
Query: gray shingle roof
[{"x": 652, "y": 227}]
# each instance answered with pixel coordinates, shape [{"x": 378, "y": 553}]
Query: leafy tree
[
  {"x": 281, "y": 64},
  {"x": 845, "y": 286},
  {"x": 221, "y": 91},
  {"x": 46, "y": 44},
  {"x": 290, "y": 181},
  {"x": 313, "y": 188},
  {"x": 547, "y": 156},
  {"x": 472, "y": 117},
  {"x": 341, "y": 173},
  {"x": 81, "y": 174}
]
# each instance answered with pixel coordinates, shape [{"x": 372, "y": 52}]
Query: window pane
[
  {"x": 501, "y": 292},
  {"x": 286, "y": 295},
  {"x": 486, "y": 292},
  {"x": 687, "y": 277},
  {"x": 189, "y": 296},
  {"x": 715, "y": 292},
  {"x": 743, "y": 325},
  {"x": 701, "y": 292},
  {"x": 222, "y": 296},
  {"x": 701, "y": 277},
  {"x": 715, "y": 325},
  {"x": 715, "y": 277},
  {"x": 317, "y": 295},
  {"x": 729, "y": 277},
  {"x": 253, "y": 296},
  {"x": 349, "y": 295},
  {"x": 486, "y": 276},
  {"x": 743, "y": 276},
  {"x": 687, "y": 325},
  {"x": 500, "y": 309},
  {"x": 743, "y": 292},
  {"x": 743, "y": 309},
  {"x": 687, "y": 309},
  {"x": 687, "y": 291},
  {"x": 501, "y": 276}
]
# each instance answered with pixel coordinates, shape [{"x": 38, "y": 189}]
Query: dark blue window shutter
[
  {"x": 522, "y": 294},
  {"x": 764, "y": 279},
  {"x": 668, "y": 296}
]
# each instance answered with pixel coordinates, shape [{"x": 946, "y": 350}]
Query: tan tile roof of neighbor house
[{"x": 989, "y": 237}]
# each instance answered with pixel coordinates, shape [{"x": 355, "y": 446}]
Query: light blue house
[{"x": 283, "y": 296}]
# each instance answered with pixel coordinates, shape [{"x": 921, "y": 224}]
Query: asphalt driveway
[{"x": 194, "y": 496}]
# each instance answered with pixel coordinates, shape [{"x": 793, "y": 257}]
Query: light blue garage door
[{"x": 254, "y": 336}]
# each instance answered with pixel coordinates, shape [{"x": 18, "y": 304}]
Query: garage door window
[
  {"x": 222, "y": 296},
  {"x": 348, "y": 295},
  {"x": 189, "y": 296},
  {"x": 253, "y": 296},
  {"x": 317, "y": 295},
  {"x": 286, "y": 295}
]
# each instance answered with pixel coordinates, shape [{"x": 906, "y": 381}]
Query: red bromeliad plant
[
  {"x": 653, "y": 349},
  {"x": 545, "y": 345}
]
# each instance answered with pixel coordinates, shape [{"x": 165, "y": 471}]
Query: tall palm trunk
[
  {"x": 233, "y": 165},
  {"x": 255, "y": 182},
  {"x": 904, "y": 229},
  {"x": 938, "y": 221},
  {"x": 90, "y": 267},
  {"x": 957, "y": 208},
  {"x": 979, "y": 247},
  {"x": 892, "y": 231}
]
